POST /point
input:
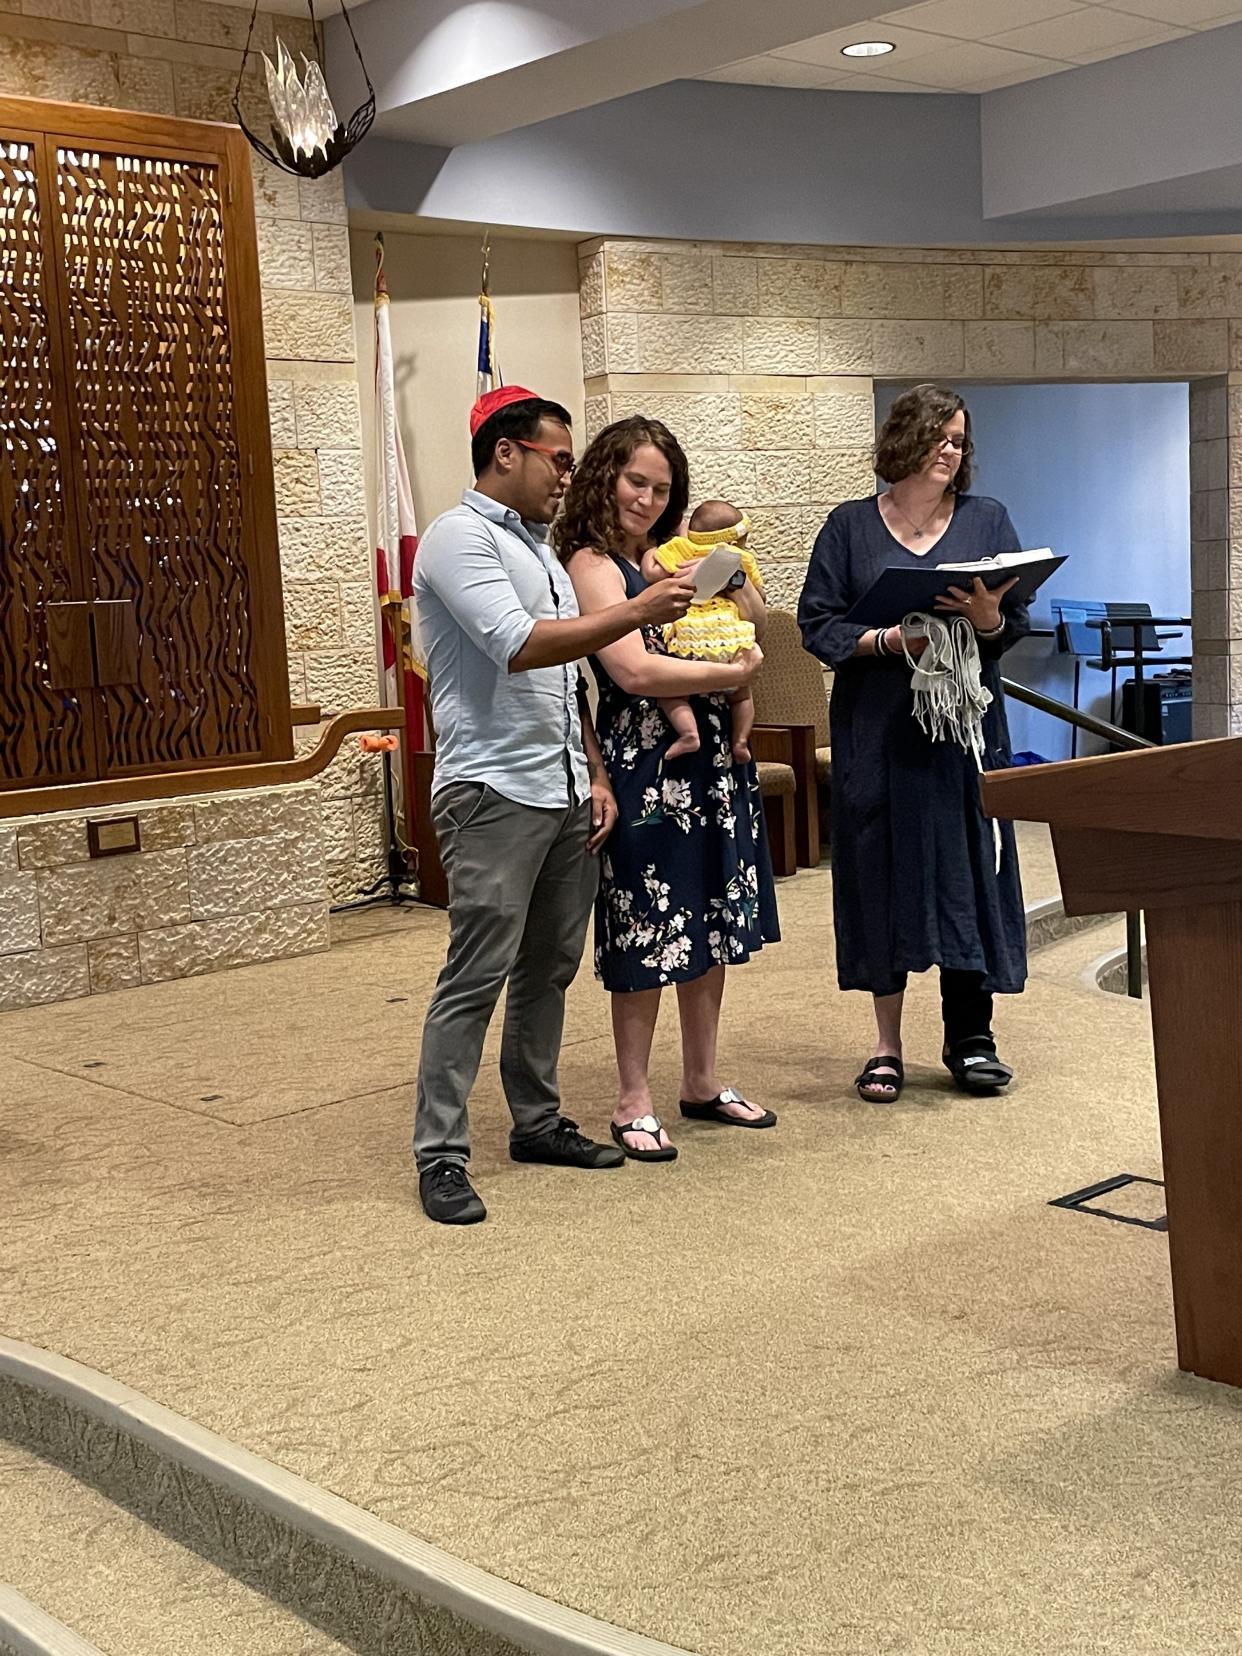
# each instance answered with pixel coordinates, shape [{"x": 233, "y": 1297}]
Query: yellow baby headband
[{"x": 734, "y": 535}]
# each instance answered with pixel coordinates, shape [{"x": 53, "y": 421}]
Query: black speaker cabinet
[{"x": 1163, "y": 712}]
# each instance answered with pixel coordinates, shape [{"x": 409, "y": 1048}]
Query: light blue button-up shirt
[{"x": 482, "y": 578}]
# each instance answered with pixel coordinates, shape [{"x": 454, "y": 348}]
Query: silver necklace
[{"x": 920, "y": 529}]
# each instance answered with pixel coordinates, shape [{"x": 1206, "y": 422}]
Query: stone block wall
[
  {"x": 763, "y": 360},
  {"x": 1215, "y": 524},
  {"x": 181, "y": 57},
  {"x": 220, "y": 880}
]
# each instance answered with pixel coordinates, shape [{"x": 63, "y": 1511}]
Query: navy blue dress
[
  {"x": 685, "y": 877},
  {"x": 913, "y": 856}
]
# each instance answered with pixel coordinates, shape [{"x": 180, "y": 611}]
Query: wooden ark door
[{"x": 165, "y": 481}]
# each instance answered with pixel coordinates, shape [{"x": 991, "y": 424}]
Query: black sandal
[
  {"x": 712, "y": 1111},
  {"x": 891, "y": 1083},
  {"x": 651, "y": 1125},
  {"x": 973, "y": 1064}
]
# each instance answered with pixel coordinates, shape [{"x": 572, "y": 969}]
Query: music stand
[
  {"x": 1075, "y": 638},
  {"x": 1085, "y": 630}
]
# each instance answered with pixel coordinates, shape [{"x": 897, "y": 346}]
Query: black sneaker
[
  {"x": 565, "y": 1146},
  {"x": 447, "y": 1195}
]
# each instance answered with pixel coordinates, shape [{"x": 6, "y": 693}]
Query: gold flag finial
[{"x": 381, "y": 286}]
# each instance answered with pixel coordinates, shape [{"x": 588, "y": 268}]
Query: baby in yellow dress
[{"x": 714, "y": 630}]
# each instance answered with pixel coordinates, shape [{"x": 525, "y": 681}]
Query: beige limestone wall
[
  {"x": 1215, "y": 528},
  {"x": 221, "y": 880},
  {"x": 180, "y": 57},
  {"x": 763, "y": 360},
  {"x": 434, "y": 317}
]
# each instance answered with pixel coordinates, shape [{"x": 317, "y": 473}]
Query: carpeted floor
[{"x": 847, "y": 1387}]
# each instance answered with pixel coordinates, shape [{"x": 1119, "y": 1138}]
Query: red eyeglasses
[{"x": 560, "y": 458}]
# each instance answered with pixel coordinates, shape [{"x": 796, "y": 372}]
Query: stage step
[
  {"x": 1076, "y": 957},
  {"x": 1046, "y": 920},
  {"x": 377, "y": 1588},
  {"x": 26, "y": 1629},
  {"x": 1047, "y": 924},
  {"x": 86, "y": 1576}
]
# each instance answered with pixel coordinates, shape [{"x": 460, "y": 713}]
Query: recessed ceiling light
[{"x": 868, "y": 48}]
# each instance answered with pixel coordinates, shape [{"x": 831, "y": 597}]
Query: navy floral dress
[{"x": 686, "y": 880}]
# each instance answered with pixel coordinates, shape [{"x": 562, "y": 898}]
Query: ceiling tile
[
  {"x": 1036, "y": 69},
  {"x": 731, "y": 73},
  {"x": 826, "y": 49},
  {"x": 895, "y": 69},
  {"x": 1086, "y": 34},
  {"x": 1165, "y": 33},
  {"x": 969, "y": 63},
  {"x": 974, "y": 19},
  {"x": 1189, "y": 14},
  {"x": 772, "y": 71},
  {"x": 876, "y": 83}
]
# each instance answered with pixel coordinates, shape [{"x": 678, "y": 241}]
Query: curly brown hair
[
  {"x": 912, "y": 430},
  {"x": 589, "y": 514}
]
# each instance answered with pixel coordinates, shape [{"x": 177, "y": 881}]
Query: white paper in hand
[{"x": 715, "y": 572}]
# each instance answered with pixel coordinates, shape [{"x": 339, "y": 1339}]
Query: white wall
[
  {"x": 434, "y": 316},
  {"x": 1141, "y": 132},
  {"x": 1101, "y": 473}
]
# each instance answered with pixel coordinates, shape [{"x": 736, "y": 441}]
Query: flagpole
[
  {"x": 404, "y": 665},
  {"x": 396, "y": 852},
  {"x": 488, "y": 375}
]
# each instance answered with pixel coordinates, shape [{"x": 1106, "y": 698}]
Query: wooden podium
[{"x": 1161, "y": 831}]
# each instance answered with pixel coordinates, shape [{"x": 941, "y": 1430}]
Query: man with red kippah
[{"x": 520, "y": 798}]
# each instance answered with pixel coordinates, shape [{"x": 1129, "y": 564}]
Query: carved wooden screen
[
  {"x": 46, "y": 729},
  {"x": 141, "y": 626}
]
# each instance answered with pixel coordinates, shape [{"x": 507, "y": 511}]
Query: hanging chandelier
[{"x": 308, "y": 137}]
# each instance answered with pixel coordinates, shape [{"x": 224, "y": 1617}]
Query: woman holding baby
[{"x": 686, "y": 883}]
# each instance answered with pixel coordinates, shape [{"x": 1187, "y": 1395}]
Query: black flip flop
[
  {"x": 893, "y": 1082},
  {"x": 643, "y": 1124},
  {"x": 712, "y": 1111},
  {"x": 973, "y": 1064}
]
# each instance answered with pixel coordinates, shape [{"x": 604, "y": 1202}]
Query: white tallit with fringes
[{"x": 950, "y": 697}]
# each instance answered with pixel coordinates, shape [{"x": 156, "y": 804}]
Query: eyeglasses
[
  {"x": 560, "y": 458},
  {"x": 957, "y": 444}
]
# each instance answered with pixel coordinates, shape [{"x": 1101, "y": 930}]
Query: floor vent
[{"x": 1139, "y": 1202}]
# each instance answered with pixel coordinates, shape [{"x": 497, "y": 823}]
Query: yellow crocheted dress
[{"x": 713, "y": 630}]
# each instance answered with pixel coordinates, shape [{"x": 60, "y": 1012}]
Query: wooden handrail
[{"x": 90, "y": 796}]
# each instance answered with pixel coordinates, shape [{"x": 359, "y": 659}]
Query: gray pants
[{"x": 521, "y": 885}]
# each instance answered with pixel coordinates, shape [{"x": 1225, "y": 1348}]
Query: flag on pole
[
  {"x": 489, "y": 375},
  {"x": 396, "y": 542}
]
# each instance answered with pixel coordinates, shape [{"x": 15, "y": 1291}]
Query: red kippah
[{"x": 493, "y": 401}]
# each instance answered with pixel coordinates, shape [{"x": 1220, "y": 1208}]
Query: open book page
[{"x": 1004, "y": 560}]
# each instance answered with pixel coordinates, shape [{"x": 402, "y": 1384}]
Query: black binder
[{"x": 901, "y": 589}]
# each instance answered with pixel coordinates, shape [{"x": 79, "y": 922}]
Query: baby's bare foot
[
  {"x": 684, "y": 744},
  {"x": 741, "y": 753}
]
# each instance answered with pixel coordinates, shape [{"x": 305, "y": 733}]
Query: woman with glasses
[
  {"x": 685, "y": 882},
  {"x": 914, "y": 861}
]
